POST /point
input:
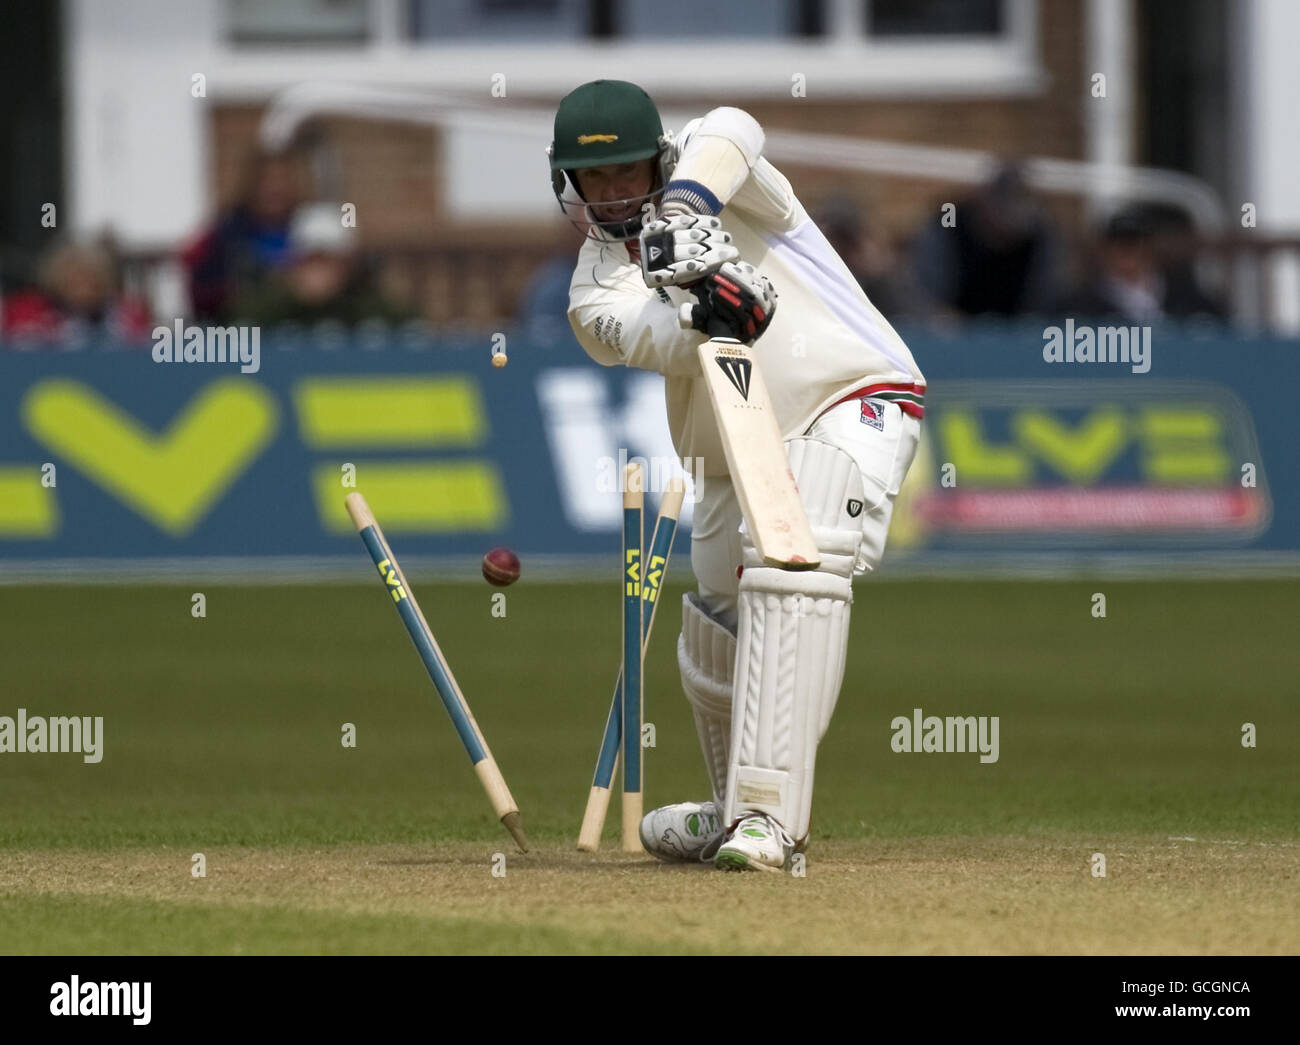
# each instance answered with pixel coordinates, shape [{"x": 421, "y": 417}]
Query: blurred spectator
[
  {"x": 249, "y": 240},
  {"x": 77, "y": 296},
  {"x": 883, "y": 276},
  {"x": 323, "y": 280},
  {"x": 1001, "y": 257},
  {"x": 1176, "y": 247},
  {"x": 1130, "y": 281}
]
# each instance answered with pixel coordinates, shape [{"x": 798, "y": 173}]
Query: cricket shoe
[
  {"x": 686, "y": 832},
  {"x": 757, "y": 843}
]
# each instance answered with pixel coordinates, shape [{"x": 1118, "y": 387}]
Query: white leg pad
[
  {"x": 706, "y": 655},
  {"x": 791, "y": 645}
]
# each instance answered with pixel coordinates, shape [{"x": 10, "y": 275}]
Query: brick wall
[{"x": 390, "y": 169}]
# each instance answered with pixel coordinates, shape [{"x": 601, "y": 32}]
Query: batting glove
[
  {"x": 736, "y": 301},
  {"x": 680, "y": 249}
]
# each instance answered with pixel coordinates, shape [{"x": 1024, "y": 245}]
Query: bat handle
[{"x": 716, "y": 328}]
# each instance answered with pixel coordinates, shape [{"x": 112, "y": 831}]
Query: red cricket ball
[{"x": 501, "y": 567}]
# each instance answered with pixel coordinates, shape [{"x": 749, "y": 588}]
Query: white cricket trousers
[{"x": 883, "y": 455}]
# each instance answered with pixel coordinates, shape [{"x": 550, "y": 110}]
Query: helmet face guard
[{"x": 581, "y": 214}]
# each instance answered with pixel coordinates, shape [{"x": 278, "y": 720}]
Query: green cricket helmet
[{"x": 599, "y": 123}]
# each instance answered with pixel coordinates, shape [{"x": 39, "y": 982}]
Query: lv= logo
[
  {"x": 390, "y": 578},
  {"x": 633, "y": 572},
  {"x": 653, "y": 578}
]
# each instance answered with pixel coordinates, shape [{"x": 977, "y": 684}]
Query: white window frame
[{"x": 845, "y": 63}]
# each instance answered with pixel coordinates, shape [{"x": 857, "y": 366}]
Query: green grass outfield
[{"x": 222, "y": 736}]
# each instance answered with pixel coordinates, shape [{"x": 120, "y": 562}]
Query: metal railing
[
  {"x": 483, "y": 286},
  {"x": 1259, "y": 275}
]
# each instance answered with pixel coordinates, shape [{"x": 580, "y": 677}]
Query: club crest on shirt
[{"x": 873, "y": 414}]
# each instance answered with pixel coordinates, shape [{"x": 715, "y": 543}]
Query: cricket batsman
[{"x": 686, "y": 233}]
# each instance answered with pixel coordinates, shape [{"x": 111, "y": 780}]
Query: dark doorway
[
  {"x": 31, "y": 133},
  {"x": 1184, "y": 101}
]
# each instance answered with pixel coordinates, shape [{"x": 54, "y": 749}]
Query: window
[
  {"x": 672, "y": 48},
  {"x": 901, "y": 18},
  {"x": 498, "y": 20},
  {"x": 297, "y": 21},
  {"x": 725, "y": 18}
]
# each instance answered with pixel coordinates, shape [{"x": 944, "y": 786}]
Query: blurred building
[{"x": 159, "y": 101}]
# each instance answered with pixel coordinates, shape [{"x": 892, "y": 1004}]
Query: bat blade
[{"x": 756, "y": 457}]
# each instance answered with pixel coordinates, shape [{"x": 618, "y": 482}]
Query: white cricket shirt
[{"x": 826, "y": 340}]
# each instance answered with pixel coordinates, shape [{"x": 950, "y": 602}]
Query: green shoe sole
[
  {"x": 727, "y": 861},
  {"x": 732, "y": 862}
]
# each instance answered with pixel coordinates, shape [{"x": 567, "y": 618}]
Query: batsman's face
[{"x": 629, "y": 182}]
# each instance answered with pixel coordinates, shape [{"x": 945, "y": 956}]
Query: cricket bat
[{"x": 756, "y": 458}]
